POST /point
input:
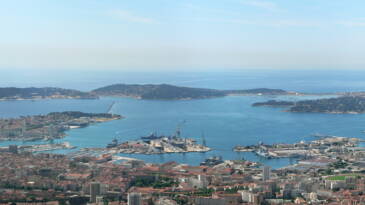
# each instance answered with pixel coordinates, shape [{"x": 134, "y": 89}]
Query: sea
[{"x": 224, "y": 122}]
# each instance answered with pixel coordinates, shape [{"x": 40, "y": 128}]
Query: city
[
  {"x": 332, "y": 171},
  {"x": 182, "y": 102}
]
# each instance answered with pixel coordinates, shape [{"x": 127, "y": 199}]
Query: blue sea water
[{"x": 226, "y": 122}]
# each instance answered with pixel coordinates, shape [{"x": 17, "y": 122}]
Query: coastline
[
  {"x": 47, "y": 129},
  {"x": 49, "y": 98}
]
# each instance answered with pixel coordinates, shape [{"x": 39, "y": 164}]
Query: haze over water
[
  {"x": 311, "y": 80},
  {"x": 226, "y": 122}
]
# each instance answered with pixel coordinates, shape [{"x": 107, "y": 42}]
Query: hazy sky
[{"x": 182, "y": 34}]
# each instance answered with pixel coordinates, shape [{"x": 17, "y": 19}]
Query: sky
[{"x": 139, "y": 35}]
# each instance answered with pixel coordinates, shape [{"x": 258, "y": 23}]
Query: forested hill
[
  {"x": 12, "y": 93},
  {"x": 344, "y": 104},
  {"x": 171, "y": 92},
  {"x": 147, "y": 91}
]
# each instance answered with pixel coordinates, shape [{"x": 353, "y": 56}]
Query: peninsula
[
  {"x": 171, "y": 92},
  {"x": 153, "y": 92},
  {"x": 274, "y": 103},
  {"x": 13, "y": 93},
  {"x": 340, "y": 105},
  {"x": 139, "y": 91},
  {"x": 154, "y": 144},
  {"x": 50, "y": 126}
]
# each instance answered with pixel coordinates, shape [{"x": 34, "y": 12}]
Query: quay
[
  {"x": 39, "y": 147},
  {"x": 319, "y": 147},
  {"x": 154, "y": 144}
]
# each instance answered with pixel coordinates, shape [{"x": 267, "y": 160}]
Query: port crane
[
  {"x": 204, "y": 143},
  {"x": 178, "y": 128}
]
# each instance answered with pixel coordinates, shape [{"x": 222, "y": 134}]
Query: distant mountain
[
  {"x": 171, "y": 92},
  {"x": 47, "y": 92},
  {"x": 344, "y": 104}
]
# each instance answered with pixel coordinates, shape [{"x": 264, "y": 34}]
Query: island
[
  {"x": 13, "y": 93},
  {"x": 50, "y": 126},
  {"x": 340, "y": 105},
  {"x": 171, "y": 92}
]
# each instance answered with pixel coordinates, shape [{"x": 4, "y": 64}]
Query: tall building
[
  {"x": 266, "y": 171},
  {"x": 95, "y": 190},
  {"x": 134, "y": 199}
]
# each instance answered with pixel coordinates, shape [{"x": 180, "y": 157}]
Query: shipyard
[
  {"x": 159, "y": 144},
  {"x": 324, "y": 145}
]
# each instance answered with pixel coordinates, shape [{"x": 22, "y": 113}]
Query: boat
[
  {"x": 321, "y": 136},
  {"x": 263, "y": 153},
  {"x": 212, "y": 161},
  {"x": 114, "y": 143},
  {"x": 152, "y": 136}
]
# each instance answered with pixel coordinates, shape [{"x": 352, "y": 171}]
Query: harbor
[
  {"x": 159, "y": 144},
  {"x": 152, "y": 144},
  {"x": 324, "y": 145},
  {"x": 38, "y": 147},
  {"x": 222, "y": 133}
]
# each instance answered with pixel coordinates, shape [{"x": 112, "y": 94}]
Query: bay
[{"x": 225, "y": 122}]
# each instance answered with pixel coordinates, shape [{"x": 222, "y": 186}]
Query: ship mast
[
  {"x": 178, "y": 129},
  {"x": 109, "y": 110},
  {"x": 204, "y": 143}
]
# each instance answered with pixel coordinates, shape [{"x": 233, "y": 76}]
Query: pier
[{"x": 303, "y": 150}]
